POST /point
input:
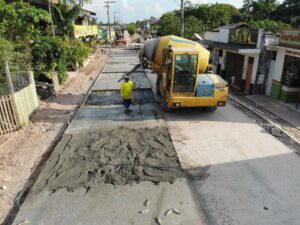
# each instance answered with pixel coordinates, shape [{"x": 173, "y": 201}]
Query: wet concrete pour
[
  {"x": 113, "y": 156},
  {"x": 101, "y": 98}
]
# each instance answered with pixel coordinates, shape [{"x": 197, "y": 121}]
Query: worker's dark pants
[{"x": 127, "y": 103}]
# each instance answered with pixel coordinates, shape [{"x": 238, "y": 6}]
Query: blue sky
[{"x": 133, "y": 10}]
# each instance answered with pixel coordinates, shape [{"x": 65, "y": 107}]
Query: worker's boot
[{"x": 127, "y": 111}]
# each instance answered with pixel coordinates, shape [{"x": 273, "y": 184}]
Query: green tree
[
  {"x": 213, "y": 15},
  {"x": 64, "y": 16},
  {"x": 289, "y": 12},
  {"x": 269, "y": 25},
  {"x": 264, "y": 8},
  {"x": 131, "y": 28},
  {"x": 19, "y": 20},
  {"x": 50, "y": 54},
  {"x": 192, "y": 26},
  {"x": 169, "y": 24}
]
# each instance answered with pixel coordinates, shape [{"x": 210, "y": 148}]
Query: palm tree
[{"x": 64, "y": 16}]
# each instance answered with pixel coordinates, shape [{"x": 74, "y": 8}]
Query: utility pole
[
  {"x": 182, "y": 19},
  {"x": 50, "y": 12},
  {"x": 115, "y": 20},
  {"x": 108, "y": 20}
]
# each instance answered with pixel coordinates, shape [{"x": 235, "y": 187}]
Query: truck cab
[{"x": 179, "y": 81}]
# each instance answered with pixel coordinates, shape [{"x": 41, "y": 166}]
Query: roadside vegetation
[
  {"x": 31, "y": 39},
  {"x": 268, "y": 14},
  {"x": 131, "y": 28}
]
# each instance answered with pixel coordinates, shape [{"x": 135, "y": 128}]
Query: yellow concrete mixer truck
[{"x": 180, "y": 65}]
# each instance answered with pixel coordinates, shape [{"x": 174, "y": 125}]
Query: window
[{"x": 185, "y": 73}]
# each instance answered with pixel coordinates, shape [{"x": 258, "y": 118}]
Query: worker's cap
[{"x": 126, "y": 77}]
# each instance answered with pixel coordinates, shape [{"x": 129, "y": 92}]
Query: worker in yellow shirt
[{"x": 126, "y": 93}]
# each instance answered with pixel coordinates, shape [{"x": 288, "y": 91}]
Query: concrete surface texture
[
  {"x": 278, "y": 108},
  {"x": 95, "y": 117},
  {"x": 109, "y": 81},
  {"x": 113, "y": 205},
  {"x": 71, "y": 188},
  {"x": 142, "y": 96},
  {"x": 111, "y": 156},
  {"x": 251, "y": 177}
]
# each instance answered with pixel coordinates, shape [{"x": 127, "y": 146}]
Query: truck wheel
[
  {"x": 164, "y": 107},
  {"x": 158, "y": 86},
  {"x": 211, "y": 108}
]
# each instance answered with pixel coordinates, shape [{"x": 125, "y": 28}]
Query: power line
[
  {"x": 115, "y": 16},
  {"x": 108, "y": 19}
]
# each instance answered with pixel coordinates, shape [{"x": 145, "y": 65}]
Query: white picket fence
[{"x": 16, "y": 108}]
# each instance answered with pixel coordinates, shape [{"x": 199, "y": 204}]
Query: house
[
  {"x": 82, "y": 29},
  {"x": 236, "y": 50},
  {"x": 284, "y": 76},
  {"x": 149, "y": 27}
]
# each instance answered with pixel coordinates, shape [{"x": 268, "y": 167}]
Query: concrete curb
[{"x": 258, "y": 113}]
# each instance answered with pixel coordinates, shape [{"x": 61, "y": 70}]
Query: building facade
[
  {"x": 284, "y": 76},
  {"x": 236, "y": 51}
]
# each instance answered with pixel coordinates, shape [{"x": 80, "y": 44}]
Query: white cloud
[
  {"x": 146, "y": 8},
  {"x": 159, "y": 8},
  {"x": 199, "y": 1},
  {"x": 127, "y": 6}
]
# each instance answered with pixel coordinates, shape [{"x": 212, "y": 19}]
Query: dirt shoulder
[{"x": 24, "y": 152}]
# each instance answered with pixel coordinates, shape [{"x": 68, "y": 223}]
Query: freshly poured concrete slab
[
  {"x": 97, "y": 117},
  {"x": 113, "y": 205},
  {"x": 99, "y": 98},
  {"x": 109, "y": 81},
  {"x": 119, "y": 68},
  {"x": 122, "y": 64}
]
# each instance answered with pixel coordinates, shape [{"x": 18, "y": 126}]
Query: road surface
[{"x": 238, "y": 174}]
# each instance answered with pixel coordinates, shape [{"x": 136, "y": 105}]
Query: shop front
[
  {"x": 286, "y": 71},
  {"x": 235, "y": 55}
]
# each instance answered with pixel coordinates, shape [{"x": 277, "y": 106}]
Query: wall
[
  {"x": 211, "y": 36},
  {"x": 224, "y": 35},
  {"x": 279, "y": 65}
]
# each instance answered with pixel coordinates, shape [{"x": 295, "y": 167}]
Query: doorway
[
  {"x": 249, "y": 75},
  {"x": 234, "y": 69}
]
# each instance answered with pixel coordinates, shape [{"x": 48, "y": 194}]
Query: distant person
[{"x": 126, "y": 93}]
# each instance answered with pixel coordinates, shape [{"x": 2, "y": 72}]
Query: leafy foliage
[
  {"x": 78, "y": 52},
  {"x": 49, "y": 55},
  {"x": 19, "y": 20},
  {"x": 289, "y": 12},
  {"x": 131, "y": 29},
  {"x": 64, "y": 16},
  {"x": 267, "y": 14},
  {"x": 193, "y": 25},
  {"x": 259, "y": 9},
  {"x": 199, "y": 18},
  {"x": 169, "y": 24},
  {"x": 18, "y": 58},
  {"x": 214, "y": 15},
  {"x": 269, "y": 25}
]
